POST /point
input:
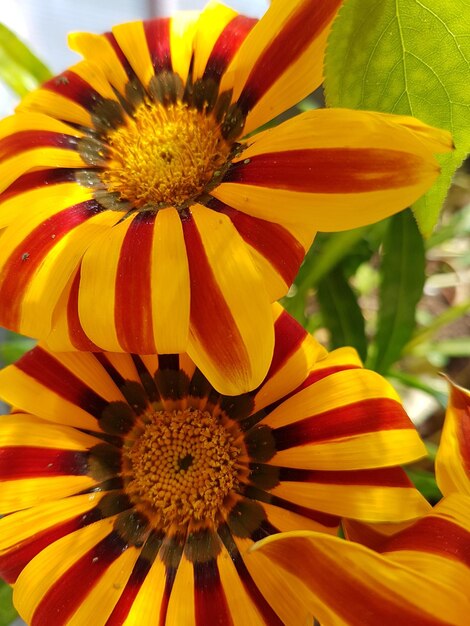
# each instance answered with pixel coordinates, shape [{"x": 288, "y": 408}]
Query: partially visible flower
[
  {"x": 140, "y": 216},
  {"x": 419, "y": 575},
  {"x": 453, "y": 457},
  {"x": 132, "y": 489}
]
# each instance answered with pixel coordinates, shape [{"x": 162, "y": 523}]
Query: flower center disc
[
  {"x": 182, "y": 467},
  {"x": 164, "y": 155}
]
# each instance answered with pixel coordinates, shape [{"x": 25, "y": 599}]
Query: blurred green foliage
[
  {"x": 20, "y": 68},
  {"x": 7, "y": 612}
]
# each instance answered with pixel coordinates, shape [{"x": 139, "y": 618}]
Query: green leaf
[
  {"x": 20, "y": 69},
  {"x": 341, "y": 313},
  {"x": 407, "y": 57},
  {"x": 13, "y": 346},
  {"x": 401, "y": 287},
  {"x": 7, "y": 612},
  {"x": 425, "y": 482}
]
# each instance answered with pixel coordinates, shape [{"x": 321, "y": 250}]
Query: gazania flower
[
  {"x": 142, "y": 215},
  {"x": 419, "y": 575},
  {"x": 133, "y": 489}
]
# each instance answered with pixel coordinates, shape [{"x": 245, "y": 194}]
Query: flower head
[
  {"x": 141, "y": 216},
  {"x": 133, "y": 489}
]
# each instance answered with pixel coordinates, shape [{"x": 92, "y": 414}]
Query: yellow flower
[
  {"x": 140, "y": 214},
  {"x": 133, "y": 490}
]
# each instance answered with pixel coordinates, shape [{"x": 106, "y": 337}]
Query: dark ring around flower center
[
  {"x": 165, "y": 91},
  {"x": 135, "y": 523}
]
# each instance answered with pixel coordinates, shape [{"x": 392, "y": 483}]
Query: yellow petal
[
  {"x": 170, "y": 284},
  {"x": 351, "y": 585},
  {"x": 232, "y": 334},
  {"x": 97, "y": 48},
  {"x": 54, "y": 561},
  {"x": 281, "y": 60},
  {"x": 367, "y": 502},
  {"x": 213, "y": 19},
  {"x": 132, "y": 41},
  {"x": 147, "y": 604},
  {"x": 453, "y": 456},
  {"x": 290, "y": 173}
]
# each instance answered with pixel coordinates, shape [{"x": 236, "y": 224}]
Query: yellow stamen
[
  {"x": 164, "y": 155},
  {"x": 182, "y": 467}
]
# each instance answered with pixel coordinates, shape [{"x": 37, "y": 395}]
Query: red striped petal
[
  {"x": 157, "y": 33},
  {"x": 369, "y": 415},
  {"x": 133, "y": 304},
  {"x": 453, "y": 456},
  {"x": 18, "y": 462},
  {"x": 384, "y": 477},
  {"x": 289, "y": 335},
  {"x": 226, "y": 46},
  {"x": 78, "y": 337},
  {"x": 249, "y": 584},
  {"x": 304, "y": 24},
  {"x": 268, "y": 239},
  {"x": 212, "y": 321},
  {"x": 25, "y": 261},
  {"x": 68, "y": 592},
  {"x": 73, "y": 87},
  {"x": 30, "y": 139},
  {"x": 120, "y": 55},
  {"x": 209, "y": 599},
  {"x": 13, "y": 561},
  {"x": 50, "y": 373},
  {"x": 33, "y": 180},
  {"x": 329, "y": 170},
  {"x": 435, "y": 535}
]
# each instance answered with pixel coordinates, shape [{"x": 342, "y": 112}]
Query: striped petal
[
  {"x": 264, "y": 239},
  {"x": 281, "y": 60},
  {"x": 92, "y": 47},
  {"x": 40, "y": 252},
  {"x": 37, "y": 467},
  {"x": 214, "y": 54},
  {"x": 28, "y": 532},
  {"x": 144, "y": 597},
  {"x": 61, "y": 578},
  {"x": 213, "y": 21},
  {"x": 350, "y": 584},
  {"x": 68, "y": 388},
  {"x": 228, "y": 299},
  {"x": 278, "y": 590},
  {"x": 289, "y": 174},
  {"x": 296, "y": 353},
  {"x": 373, "y": 535},
  {"x": 343, "y": 414},
  {"x": 150, "y": 246},
  {"x": 77, "y": 96},
  {"x": 369, "y": 495},
  {"x": 453, "y": 457},
  {"x": 31, "y": 141},
  {"x": 438, "y": 545}
]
